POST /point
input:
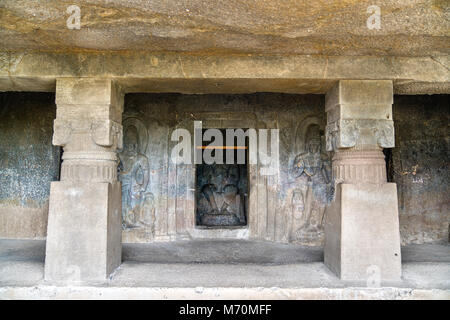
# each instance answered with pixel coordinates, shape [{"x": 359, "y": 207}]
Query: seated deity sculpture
[
  {"x": 311, "y": 169},
  {"x": 137, "y": 204},
  {"x": 220, "y": 202}
]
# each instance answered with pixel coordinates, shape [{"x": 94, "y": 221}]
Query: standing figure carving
[
  {"x": 312, "y": 170},
  {"x": 137, "y": 203}
]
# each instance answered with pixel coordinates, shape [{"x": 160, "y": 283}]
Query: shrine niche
[
  {"x": 138, "y": 210},
  {"x": 221, "y": 194}
]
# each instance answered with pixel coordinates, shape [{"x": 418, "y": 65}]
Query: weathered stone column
[
  {"x": 84, "y": 224},
  {"x": 362, "y": 237}
]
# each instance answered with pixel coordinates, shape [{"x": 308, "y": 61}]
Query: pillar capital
[
  {"x": 359, "y": 115},
  {"x": 88, "y": 127}
]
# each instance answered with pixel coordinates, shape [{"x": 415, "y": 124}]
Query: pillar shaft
[
  {"x": 361, "y": 229},
  {"x": 84, "y": 228}
]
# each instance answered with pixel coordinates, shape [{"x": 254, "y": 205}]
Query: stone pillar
[
  {"x": 84, "y": 223},
  {"x": 362, "y": 237}
]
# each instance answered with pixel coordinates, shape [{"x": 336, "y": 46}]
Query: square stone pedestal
[
  {"x": 362, "y": 238},
  {"x": 84, "y": 231}
]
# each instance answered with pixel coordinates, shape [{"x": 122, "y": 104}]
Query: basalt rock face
[
  {"x": 408, "y": 28},
  {"x": 419, "y": 164},
  {"x": 28, "y": 163}
]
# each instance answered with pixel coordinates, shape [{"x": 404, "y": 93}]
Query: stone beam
[
  {"x": 84, "y": 223},
  {"x": 188, "y": 73}
]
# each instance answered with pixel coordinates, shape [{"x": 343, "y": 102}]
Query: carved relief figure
[
  {"x": 311, "y": 169},
  {"x": 220, "y": 202},
  {"x": 137, "y": 203},
  {"x": 298, "y": 208}
]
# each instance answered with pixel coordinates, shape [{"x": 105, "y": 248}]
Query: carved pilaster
[
  {"x": 359, "y": 125},
  {"x": 89, "y": 129},
  {"x": 361, "y": 225},
  {"x": 84, "y": 224}
]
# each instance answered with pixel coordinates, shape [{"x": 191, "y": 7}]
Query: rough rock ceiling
[{"x": 318, "y": 27}]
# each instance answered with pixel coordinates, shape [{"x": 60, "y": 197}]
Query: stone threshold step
[{"x": 200, "y": 293}]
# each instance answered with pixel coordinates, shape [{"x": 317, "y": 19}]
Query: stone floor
[{"x": 222, "y": 270}]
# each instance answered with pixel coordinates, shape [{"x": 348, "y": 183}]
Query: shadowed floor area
[
  {"x": 221, "y": 251},
  {"x": 217, "y": 252}
]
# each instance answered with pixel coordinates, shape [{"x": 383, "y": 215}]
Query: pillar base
[
  {"x": 362, "y": 237},
  {"x": 84, "y": 231}
]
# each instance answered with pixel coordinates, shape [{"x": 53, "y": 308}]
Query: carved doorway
[{"x": 221, "y": 188}]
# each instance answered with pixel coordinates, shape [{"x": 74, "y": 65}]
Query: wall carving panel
[
  {"x": 311, "y": 170},
  {"x": 165, "y": 201},
  {"x": 134, "y": 172}
]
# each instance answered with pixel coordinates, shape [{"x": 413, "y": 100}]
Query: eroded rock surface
[{"x": 408, "y": 28}]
